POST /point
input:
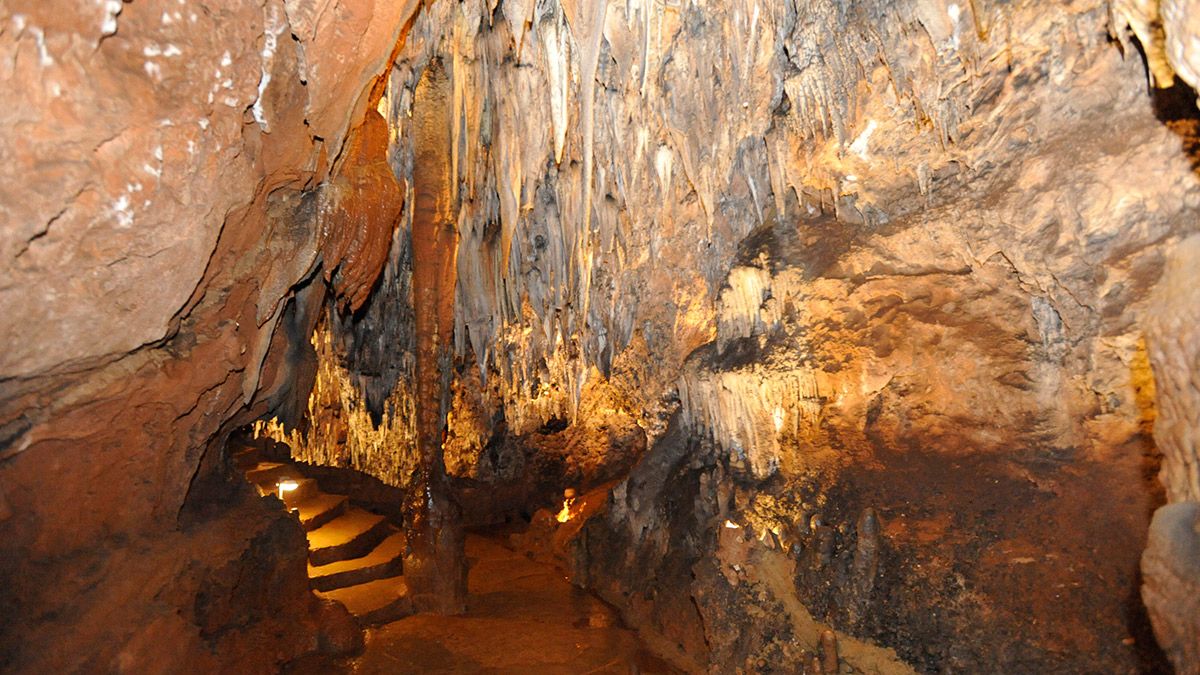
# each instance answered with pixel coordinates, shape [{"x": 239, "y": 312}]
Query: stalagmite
[
  {"x": 434, "y": 564},
  {"x": 829, "y": 652}
]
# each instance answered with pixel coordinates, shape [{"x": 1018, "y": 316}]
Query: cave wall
[
  {"x": 893, "y": 265},
  {"x": 803, "y": 248},
  {"x": 881, "y": 136},
  {"x": 1171, "y": 563},
  {"x": 159, "y": 183}
]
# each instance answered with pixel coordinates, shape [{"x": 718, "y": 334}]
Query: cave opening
[{"x": 560, "y": 336}]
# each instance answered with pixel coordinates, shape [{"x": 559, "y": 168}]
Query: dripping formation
[{"x": 810, "y": 336}]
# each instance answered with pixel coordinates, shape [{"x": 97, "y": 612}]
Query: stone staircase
[{"x": 354, "y": 556}]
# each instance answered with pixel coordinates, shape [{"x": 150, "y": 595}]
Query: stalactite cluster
[
  {"x": 838, "y": 317},
  {"x": 714, "y": 117},
  {"x": 343, "y": 432},
  {"x": 812, "y": 218}
]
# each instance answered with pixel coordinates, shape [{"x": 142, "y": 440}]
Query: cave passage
[
  {"x": 754, "y": 336},
  {"x": 516, "y": 614}
]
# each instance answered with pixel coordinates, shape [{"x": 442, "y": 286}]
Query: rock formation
[
  {"x": 435, "y": 565},
  {"x": 857, "y": 324},
  {"x": 160, "y": 235},
  {"x": 1171, "y": 564}
]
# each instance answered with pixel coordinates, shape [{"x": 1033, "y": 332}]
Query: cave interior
[{"x": 606, "y": 336}]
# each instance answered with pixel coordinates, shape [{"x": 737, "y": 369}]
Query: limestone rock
[
  {"x": 915, "y": 236},
  {"x": 154, "y": 230},
  {"x": 804, "y": 261},
  {"x": 361, "y": 205},
  {"x": 1171, "y": 566}
]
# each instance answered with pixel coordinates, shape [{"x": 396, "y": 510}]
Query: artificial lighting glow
[
  {"x": 732, "y": 525},
  {"x": 565, "y": 515},
  {"x": 286, "y": 486},
  {"x": 568, "y": 499}
]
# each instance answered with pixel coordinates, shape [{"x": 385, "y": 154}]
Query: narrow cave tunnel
[{"x": 548, "y": 336}]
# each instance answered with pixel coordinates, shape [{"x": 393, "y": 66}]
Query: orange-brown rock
[
  {"x": 893, "y": 258},
  {"x": 1171, "y": 563},
  {"x": 156, "y": 156},
  {"x": 435, "y": 563},
  {"x": 876, "y": 298},
  {"x": 359, "y": 210}
]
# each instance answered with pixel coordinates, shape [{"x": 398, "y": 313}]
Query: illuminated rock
[{"x": 888, "y": 286}]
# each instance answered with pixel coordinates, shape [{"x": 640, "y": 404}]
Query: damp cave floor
[{"x": 522, "y": 616}]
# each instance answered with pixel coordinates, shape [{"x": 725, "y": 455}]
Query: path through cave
[
  {"x": 520, "y": 615},
  {"x": 793, "y": 336}
]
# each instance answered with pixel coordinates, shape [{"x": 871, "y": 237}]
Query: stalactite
[
  {"x": 587, "y": 26},
  {"x": 341, "y": 430},
  {"x": 518, "y": 14},
  {"x": 556, "y": 49},
  {"x": 749, "y": 410},
  {"x": 358, "y": 213},
  {"x": 741, "y": 312}
]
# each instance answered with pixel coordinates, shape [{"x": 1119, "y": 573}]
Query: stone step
[
  {"x": 268, "y": 474},
  {"x": 267, "y": 477},
  {"x": 320, "y": 508},
  {"x": 306, "y": 489},
  {"x": 375, "y": 602},
  {"x": 386, "y": 560},
  {"x": 350, "y": 535}
]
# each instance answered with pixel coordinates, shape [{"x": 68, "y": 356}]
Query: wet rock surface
[{"x": 359, "y": 210}]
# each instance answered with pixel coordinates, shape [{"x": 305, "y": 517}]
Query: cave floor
[{"x": 522, "y": 617}]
